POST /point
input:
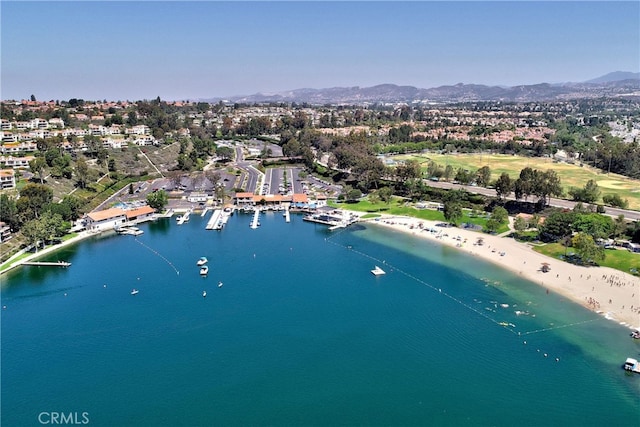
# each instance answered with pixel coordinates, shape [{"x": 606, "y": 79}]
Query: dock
[
  {"x": 215, "y": 222},
  {"x": 183, "y": 218},
  {"x": 256, "y": 219},
  {"x": 204, "y": 212},
  {"x": 48, "y": 264},
  {"x": 287, "y": 216}
]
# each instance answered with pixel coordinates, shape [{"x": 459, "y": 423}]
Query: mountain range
[{"x": 618, "y": 83}]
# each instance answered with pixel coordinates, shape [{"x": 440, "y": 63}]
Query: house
[
  {"x": 140, "y": 214},
  {"x": 7, "y": 179},
  {"x": 5, "y": 232},
  {"x": 107, "y": 219},
  {"x": 15, "y": 162}
]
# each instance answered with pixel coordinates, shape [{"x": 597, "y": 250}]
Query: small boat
[
  {"x": 204, "y": 294},
  {"x": 631, "y": 365},
  {"x": 202, "y": 261},
  {"x": 219, "y": 284},
  {"x": 377, "y": 271},
  {"x": 134, "y": 291},
  {"x": 204, "y": 270},
  {"x": 635, "y": 334}
]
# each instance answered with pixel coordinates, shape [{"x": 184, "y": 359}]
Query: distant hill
[
  {"x": 616, "y": 76},
  {"x": 613, "y": 84}
]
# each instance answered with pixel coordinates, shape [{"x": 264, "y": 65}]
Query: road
[{"x": 560, "y": 203}]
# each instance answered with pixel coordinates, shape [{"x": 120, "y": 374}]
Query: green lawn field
[{"x": 570, "y": 175}]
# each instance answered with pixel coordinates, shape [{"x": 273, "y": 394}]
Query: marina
[{"x": 335, "y": 325}]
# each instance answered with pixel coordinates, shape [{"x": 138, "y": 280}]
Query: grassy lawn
[
  {"x": 398, "y": 208},
  {"x": 622, "y": 260},
  {"x": 570, "y": 175}
]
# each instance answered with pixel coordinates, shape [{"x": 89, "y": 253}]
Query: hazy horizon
[{"x": 208, "y": 49}]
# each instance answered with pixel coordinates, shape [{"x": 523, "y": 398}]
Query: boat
[
  {"x": 202, "y": 261},
  {"x": 134, "y": 291},
  {"x": 219, "y": 284},
  {"x": 377, "y": 271},
  {"x": 204, "y": 294},
  {"x": 635, "y": 334},
  {"x": 204, "y": 270},
  {"x": 631, "y": 365}
]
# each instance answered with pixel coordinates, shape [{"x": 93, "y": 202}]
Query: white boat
[
  {"x": 202, "y": 261},
  {"x": 204, "y": 294},
  {"x": 219, "y": 284},
  {"x": 134, "y": 291},
  {"x": 204, "y": 270},
  {"x": 377, "y": 271},
  {"x": 631, "y": 365}
]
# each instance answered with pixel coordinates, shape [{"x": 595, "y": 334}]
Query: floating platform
[{"x": 48, "y": 264}]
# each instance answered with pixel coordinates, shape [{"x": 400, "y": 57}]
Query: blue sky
[{"x": 189, "y": 50}]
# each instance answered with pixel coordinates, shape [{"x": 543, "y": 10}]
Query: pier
[
  {"x": 48, "y": 264},
  {"x": 183, "y": 218},
  {"x": 215, "y": 222},
  {"x": 287, "y": 216},
  {"x": 256, "y": 219}
]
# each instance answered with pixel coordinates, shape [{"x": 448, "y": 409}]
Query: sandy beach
[{"x": 610, "y": 292}]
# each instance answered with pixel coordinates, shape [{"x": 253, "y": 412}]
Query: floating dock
[
  {"x": 287, "y": 216},
  {"x": 215, "y": 222},
  {"x": 183, "y": 218},
  {"x": 256, "y": 219},
  {"x": 48, "y": 264}
]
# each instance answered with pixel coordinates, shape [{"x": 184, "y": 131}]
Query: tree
[
  {"x": 504, "y": 185},
  {"x": 520, "y": 224},
  {"x": 32, "y": 230},
  {"x": 158, "y": 200},
  {"x": 37, "y": 166},
  {"x": 594, "y": 224},
  {"x": 557, "y": 226},
  {"x": 500, "y": 215},
  {"x": 615, "y": 201},
  {"x": 82, "y": 172},
  {"x": 385, "y": 194},
  {"x": 547, "y": 184},
  {"x": 452, "y": 211},
  {"x": 588, "y": 194},
  {"x": 586, "y": 248},
  {"x": 9, "y": 211},
  {"x": 33, "y": 97},
  {"x": 448, "y": 172},
  {"x": 483, "y": 176},
  {"x": 33, "y": 199},
  {"x": 353, "y": 195}
]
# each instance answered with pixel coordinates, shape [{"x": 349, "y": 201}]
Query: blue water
[{"x": 301, "y": 333}]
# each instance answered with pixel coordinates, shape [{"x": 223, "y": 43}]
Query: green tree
[
  {"x": 33, "y": 199},
  {"x": 594, "y": 224},
  {"x": 615, "y": 200},
  {"x": 557, "y": 225},
  {"x": 9, "y": 211},
  {"x": 385, "y": 194},
  {"x": 82, "y": 172},
  {"x": 483, "y": 176},
  {"x": 586, "y": 248},
  {"x": 500, "y": 215},
  {"x": 158, "y": 200},
  {"x": 33, "y": 232},
  {"x": 520, "y": 224},
  {"x": 588, "y": 194},
  {"x": 504, "y": 185},
  {"x": 448, "y": 172},
  {"x": 37, "y": 167},
  {"x": 452, "y": 211}
]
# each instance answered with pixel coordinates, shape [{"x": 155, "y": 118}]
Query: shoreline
[{"x": 604, "y": 290}]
